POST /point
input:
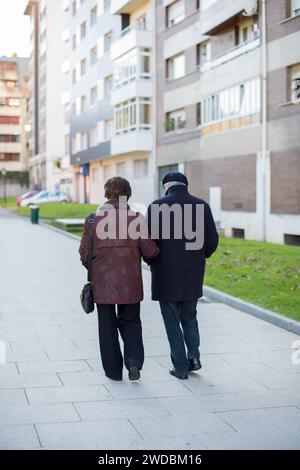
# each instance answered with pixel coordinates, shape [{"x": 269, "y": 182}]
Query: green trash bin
[{"x": 34, "y": 214}]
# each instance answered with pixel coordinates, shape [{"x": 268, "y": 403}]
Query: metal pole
[
  {"x": 264, "y": 120},
  {"x": 4, "y": 189}
]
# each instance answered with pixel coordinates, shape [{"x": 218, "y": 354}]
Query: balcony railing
[
  {"x": 231, "y": 54},
  {"x": 135, "y": 27}
]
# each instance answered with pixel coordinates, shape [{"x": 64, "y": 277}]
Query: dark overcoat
[
  {"x": 116, "y": 271},
  {"x": 177, "y": 273}
]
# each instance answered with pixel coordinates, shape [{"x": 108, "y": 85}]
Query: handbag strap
[{"x": 90, "y": 245}]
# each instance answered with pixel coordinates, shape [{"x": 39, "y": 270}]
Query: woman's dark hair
[{"x": 116, "y": 187}]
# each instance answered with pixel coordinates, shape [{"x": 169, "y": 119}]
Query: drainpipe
[{"x": 264, "y": 142}]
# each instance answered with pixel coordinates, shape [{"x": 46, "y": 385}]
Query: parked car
[
  {"x": 44, "y": 197},
  {"x": 25, "y": 196}
]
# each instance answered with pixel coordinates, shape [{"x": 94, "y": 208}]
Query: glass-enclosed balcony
[{"x": 136, "y": 35}]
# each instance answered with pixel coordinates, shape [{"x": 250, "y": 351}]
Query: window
[
  {"x": 83, "y": 67},
  {"x": 141, "y": 23},
  {"x": 9, "y": 138},
  {"x": 121, "y": 169},
  {"x": 94, "y": 55},
  {"x": 83, "y": 104},
  {"x": 205, "y": 4},
  {"x": 95, "y": 175},
  {"x": 295, "y": 6},
  {"x": 9, "y": 157},
  {"x": 94, "y": 135},
  {"x": 93, "y": 95},
  {"x": 240, "y": 100},
  {"x": 295, "y": 82},
  {"x": 132, "y": 115},
  {"x": 107, "y": 172},
  {"x": 198, "y": 114},
  {"x": 176, "y": 67},
  {"x": 203, "y": 53},
  {"x": 74, "y": 8},
  {"x": 93, "y": 15},
  {"x": 9, "y": 120},
  {"x": 83, "y": 30},
  {"x": 175, "y": 13},
  {"x": 246, "y": 31},
  {"x": 74, "y": 76},
  {"x": 176, "y": 120},
  {"x": 140, "y": 168},
  {"x": 108, "y": 126},
  {"x": 74, "y": 41},
  {"x": 133, "y": 65},
  {"x": 108, "y": 85},
  {"x": 106, "y": 4},
  {"x": 107, "y": 41},
  {"x": 83, "y": 141}
]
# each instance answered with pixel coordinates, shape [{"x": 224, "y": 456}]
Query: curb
[
  {"x": 58, "y": 230},
  {"x": 214, "y": 294},
  {"x": 258, "y": 312}
]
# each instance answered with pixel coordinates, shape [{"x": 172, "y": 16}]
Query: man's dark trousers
[{"x": 180, "y": 319}]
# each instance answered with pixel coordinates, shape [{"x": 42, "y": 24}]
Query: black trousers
[{"x": 126, "y": 321}]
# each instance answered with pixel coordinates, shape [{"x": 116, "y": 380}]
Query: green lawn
[
  {"x": 61, "y": 211},
  {"x": 11, "y": 202},
  {"x": 265, "y": 274}
]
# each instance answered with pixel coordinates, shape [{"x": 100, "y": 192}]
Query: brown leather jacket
[{"x": 116, "y": 272}]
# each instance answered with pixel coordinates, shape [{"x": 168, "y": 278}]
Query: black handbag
[{"x": 86, "y": 296}]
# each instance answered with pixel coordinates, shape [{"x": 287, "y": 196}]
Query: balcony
[
  {"x": 124, "y": 6},
  {"x": 137, "y": 141},
  {"x": 231, "y": 54},
  {"x": 223, "y": 13},
  {"x": 131, "y": 89},
  {"x": 131, "y": 38}
]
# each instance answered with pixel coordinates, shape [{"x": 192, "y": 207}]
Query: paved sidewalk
[{"x": 53, "y": 393}]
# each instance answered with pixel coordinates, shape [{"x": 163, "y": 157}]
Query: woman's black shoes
[
  {"x": 194, "y": 364},
  {"x": 178, "y": 375},
  {"x": 134, "y": 373}
]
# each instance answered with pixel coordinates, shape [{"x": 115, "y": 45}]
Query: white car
[{"x": 44, "y": 197}]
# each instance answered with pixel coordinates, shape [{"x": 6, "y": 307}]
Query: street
[{"x": 54, "y": 394}]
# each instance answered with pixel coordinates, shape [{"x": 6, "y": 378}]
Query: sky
[{"x": 14, "y": 28}]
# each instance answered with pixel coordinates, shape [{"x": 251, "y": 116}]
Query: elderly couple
[{"x": 177, "y": 277}]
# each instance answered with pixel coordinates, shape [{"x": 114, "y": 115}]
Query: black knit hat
[{"x": 175, "y": 177}]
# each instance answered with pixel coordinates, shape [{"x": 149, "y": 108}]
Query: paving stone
[
  {"x": 31, "y": 380},
  {"x": 142, "y": 389},
  {"x": 13, "y": 414},
  {"x": 66, "y": 394},
  {"x": 52, "y": 366},
  {"x": 12, "y": 396},
  {"x": 117, "y": 409},
  {"x": 75, "y": 435},
  {"x": 18, "y": 438}
]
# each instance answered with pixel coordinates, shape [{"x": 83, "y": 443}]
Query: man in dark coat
[{"x": 186, "y": 237}]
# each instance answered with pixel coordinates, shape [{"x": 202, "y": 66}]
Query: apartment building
[
  {"x": 13, "y": 124},
  {"x": 49, "y": 162},
  {"x": 112, "y": 65},
  {"x": 228, "y": 110}
]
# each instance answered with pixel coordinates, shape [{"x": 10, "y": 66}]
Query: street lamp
[{"x": 3, "y": 173}]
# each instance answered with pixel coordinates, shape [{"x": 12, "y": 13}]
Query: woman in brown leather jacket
[{"x": 120, "y": 240}]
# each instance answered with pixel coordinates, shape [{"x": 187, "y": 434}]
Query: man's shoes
[
  {"x": 178, "y": 375},
  {"x": 194, "y": 364},
  {"x": 134, "y": 373}
]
